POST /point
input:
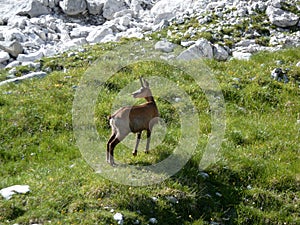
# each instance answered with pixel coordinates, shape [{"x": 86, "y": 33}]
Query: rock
[
  {"x": 111, "y": 7},
  {"x": 98, "y": 35},
  {"x": 298, "y": 64},
  {"x": 119, "y": 218},
  {"x": 12, "y": 64},
  {"x": 131, "y": 33},
  {"x": 14, "y": 48},
  {"x": 276, "y": 3},
  {"x": 202, "y": 48},
  {"x": 14, "y": 34},
  {"x": 33, "y": 8},
  {"x": 95, "y": 7},
  {"x": 8, "y": 192},
  {"x": 281, "y": 18},
  {"x": 187, "y": 43},
  {"x": 17, "y": 22},
  {"x": 30, "y": 57},
  {"x": 204, "y": 175},
  {"x": 279, "y": 75},
  {"x": 153, "y": 221},
  {"x": 125, "y": 20},
  {"x": 241, "y": 55},
  {"x": 167, "y": 9},
  {"x": 245, "y": 43},
  {"x": 220, "y": 53},
  {"x": 164, "y": 46},
  {"x": 172, "y": 199},
  {"x": 81, "y": 31},
  {"x": 4, "y": 56},
  {"x": 53, "y": 3},
  {"x": 73, "y": 44},
  {"x": 25, "y": 77},
  {"x": 163, "y": 24},
  {"x": 73, "y": 7}
]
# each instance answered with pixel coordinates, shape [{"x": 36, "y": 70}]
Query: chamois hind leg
[
  {"x": 112, "y": 146},
  {"x": 112, "y": 137},
  {"x": 148, "y": 141},
  {"x": 138, "y": 139}
]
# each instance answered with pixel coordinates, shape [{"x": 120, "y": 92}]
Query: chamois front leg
[
  {"x": 138, "y": 139},
  {"x": 148, "y": 141}
]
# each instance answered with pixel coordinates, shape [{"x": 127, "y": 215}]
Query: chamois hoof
[
  {"x": 134, "y": 153},
  {"x": 146, "y": 152}
]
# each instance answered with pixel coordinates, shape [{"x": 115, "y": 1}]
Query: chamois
[{"x": 133, "y": 119}]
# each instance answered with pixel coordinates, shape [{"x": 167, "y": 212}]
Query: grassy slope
[{"x": 256, "y": 181}]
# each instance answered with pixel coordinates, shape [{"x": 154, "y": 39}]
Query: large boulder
[
  {"x": 4, "y": 56},
  {"x": 95, "y": 7},
  {"x": 98, "y": 35},
  {"x": 14, "y": 48},
  {"x": 73, "y": 7},
  {"x": 220, "y": 53},
  {"x": 202, "y": 48},
  {"x": 164, "y": 46},
  {"x": 167, "y": 9},
  {"x": 281, "y": 18},
  {"x": 33, "y": 8},
  {"x": 113, "y": 6},
  {"x": 30, "y": 57}
]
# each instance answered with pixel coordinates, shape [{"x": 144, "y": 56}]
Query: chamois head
[{"x": 144, "y": 91}]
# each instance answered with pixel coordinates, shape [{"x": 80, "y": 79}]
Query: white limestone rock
[
  {"x": 4, "y": 57},
  {"x": 17, "y": 22},
  {"x": 14, "y": 48},
  {"x": 164, "y": 46},
  {"x": 202, "y": 48},
  {"x": 8, "y": 192},
  {"x": 241, "y": 55},
  {"x": 99, "y": 34},
  {"x": 95, "y": 7},
  {"x": 25, "y": 77},
  {"x": 73, "y": 7},
  {"x": 113, "y": 6},
  {"x": 30, "y": 57},
  {"x": 33, "y": 8},
  {"x": 281, "y": 18},
  {"x": 14, "y": 34},
  {"x": 220, "y": 53}
]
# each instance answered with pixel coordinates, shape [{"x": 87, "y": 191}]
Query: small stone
[
  {"x": 204, "y": 175},
  {"x": 172, "y": 199},
  {"x": 119, "y": 218},
  {"x": 8, "y": 192},
  {"x": 219, "y": 194},
  {"x": 153, "y": 220}
]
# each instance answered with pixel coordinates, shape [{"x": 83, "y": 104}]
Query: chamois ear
[
  {"x": 141, "y": 80},
  {"x": 146, "y": 84}
]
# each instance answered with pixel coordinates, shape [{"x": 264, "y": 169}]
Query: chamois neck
[{"x": 149, "y": 99}]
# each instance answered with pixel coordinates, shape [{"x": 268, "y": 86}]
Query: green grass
[{"x": 256, "y": 180}]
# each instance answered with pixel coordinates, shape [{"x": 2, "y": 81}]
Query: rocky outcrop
[
  {"x": 223, "y": 29},
  {"x": 282, "y": 18}
]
